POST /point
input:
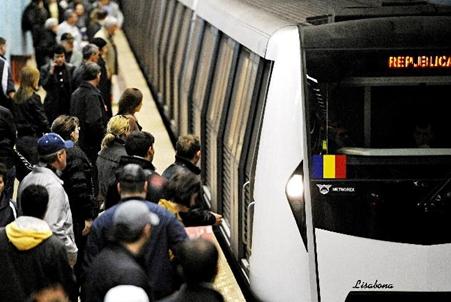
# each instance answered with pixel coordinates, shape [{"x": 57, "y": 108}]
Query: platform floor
[{"x": 130, "y": 76}]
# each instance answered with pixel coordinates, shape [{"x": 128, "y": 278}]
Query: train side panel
[{"x": 279, "y": 269}]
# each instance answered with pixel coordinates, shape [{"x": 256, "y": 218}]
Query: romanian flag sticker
[{"x": 329, "y": 166}]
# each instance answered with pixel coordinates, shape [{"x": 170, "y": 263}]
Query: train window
[
  {"x": 242, "y": 97},
  {"x": 179, "y": 63},
  {"x": 155, "y": 36},
  {"x": 244, "y": 90},
  {"x": 189, "y": 69},
  {"x": 217, "y": 112},
  {"x": 203, "y": 76},
  {"x": 148, "y": 21},
  {"x": 169, "y": 64},
  {"x": 163, "y": 49}
]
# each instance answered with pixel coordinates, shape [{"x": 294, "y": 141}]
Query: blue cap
[{"x": 51, "y": 143}]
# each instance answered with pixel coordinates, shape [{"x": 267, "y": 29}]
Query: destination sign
[{"x": 419, "y": 62}]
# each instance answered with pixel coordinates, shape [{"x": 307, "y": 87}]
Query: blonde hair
[
  {"x": 29, "y": 80},
  {"x": 118, "y": 126}
]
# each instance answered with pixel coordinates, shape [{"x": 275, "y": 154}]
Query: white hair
[
  {"x": 129, "y": 293},
  {"x": 110, "y": 22},
  {"x": 50, "y": 22}
]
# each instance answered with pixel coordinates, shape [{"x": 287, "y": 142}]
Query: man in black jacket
[
  {"x": 7, "y": 89},
  {"x": 117, "y": 264},
  {"x": 140, "y": 150},
  {"x": 56, "y": 79},
  {"x": 187, "y": 155},
  {"x": 7, "y": 142},
  {"x": 28, "y": 243},
  {"x": 87, "y": 104},
  {"x": 198, "y": 261}
]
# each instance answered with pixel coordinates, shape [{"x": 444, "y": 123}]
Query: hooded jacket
[
  {"x": 59, "y": 215},
  {"x": 32, "y": 259}
]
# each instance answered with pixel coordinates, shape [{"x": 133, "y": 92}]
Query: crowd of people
[{"x": 92, "y": 219}]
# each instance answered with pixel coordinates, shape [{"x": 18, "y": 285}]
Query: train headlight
[{"x": 295, "y": 188}]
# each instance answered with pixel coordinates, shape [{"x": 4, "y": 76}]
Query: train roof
[{"x": 253, "y": 22}]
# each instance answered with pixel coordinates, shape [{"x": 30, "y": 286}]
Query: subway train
[{"x": 325, "y": 137}]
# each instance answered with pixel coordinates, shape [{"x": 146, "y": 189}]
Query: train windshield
[{"x": 379, "y": 142}]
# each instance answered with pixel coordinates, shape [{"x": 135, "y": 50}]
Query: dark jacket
[
  {"x": 58, "y": 87},
  {"x": 7, "y": 137},
  {"x": 87, "y": 104},
  {"x": 79, "y": 185},
  {"x": 77, "y": 76},
  {"x": 105, "y": 85},
  {"x": 180, "y": 163},
  {"x": 44, "y": 48},
  {"x": 5, "y": 86},
  {"x": 26, "y": 269},
  {"x": 8, "y": 210},
  {"x": 107, "y": 163},
  {"x": 115, "y": 265},
  {"x": 30, "y": 117},
  {"x": 156, "y": 184},
  {"x": 165, "y": 236},
  {"x": 194, "y": 293}
]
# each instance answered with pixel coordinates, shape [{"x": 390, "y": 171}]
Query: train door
[
  {"x": 379, "y": 158},
  {"x": 215, "y": 119},
  {"x": 168, "y": 24},
  {"x": 236, "y": 141},
  {"x": 188, "y": 74},
  {"x": 178, "y": 67},
  {"x": 203, "y": 76}
]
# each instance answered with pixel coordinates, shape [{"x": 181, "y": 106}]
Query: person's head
[
  {"x": 133, "y": 221},
  {"x": 51, "y": 24},
  {"x": 29, "y": 77},
  {"x": 67, "y": 41},
  {"x": 52, "y": 293},
  {"x": 70, "y": 17},
  {"x": 184, "y": 188},
  {"x": 129, "y": 293},
  {"x": 423, "y": 135},
  {"x": 3, "y": 171},
  {"x": 29, "y": 83},
  {"x": 140, "y": 143},
  {"x": 110, "y": 24},
  {"x": 132, "y": 181},
  {"x": 68, "y": 127},
  {"x": 198, "y": 260},
  {"x": 118, "y": 127},
  {"x": 92, "y": 73},
  {"x": 188, "y": 146},
  {"x": 79, "y": 9},
  {"x": 130, "y": 101},
  {"x": 98, "y": 15},
  {"x": 90, "y": 53},
  {"x": 100, "y": 43},
  {"x": 2, "y": 46},
  {"x": 59, "y": 55},
  {"x": 34, "y": 200},
  {"x": 104, "y": 2},
  {"x": 52, "y": 150}
]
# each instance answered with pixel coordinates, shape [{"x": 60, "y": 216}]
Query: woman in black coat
[{"x": 27, "y": 108}]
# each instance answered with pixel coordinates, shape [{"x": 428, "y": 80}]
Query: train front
[{"x": 378, "y": 172}]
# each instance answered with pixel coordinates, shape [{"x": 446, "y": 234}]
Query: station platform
[{"x": 130, "y": 75}]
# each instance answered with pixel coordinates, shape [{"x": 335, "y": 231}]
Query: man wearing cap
[
  {"x": 52, "y": 160},
  {"x": 165, "y": 236},
  {"x": 72, "y": 55},
  {"x": 117, "y": 263}
]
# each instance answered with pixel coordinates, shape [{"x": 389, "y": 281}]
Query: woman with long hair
[
  {"x": 131, "y": 102},
  {"x": 28, "y": 111},
  {"x": 109, "y": 156}
]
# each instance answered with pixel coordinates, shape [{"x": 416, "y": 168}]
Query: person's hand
[
  {"x": 52, "y": 67},
  {"x": 87, "y": 228},
  {"x": 218, "y": 218}
]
